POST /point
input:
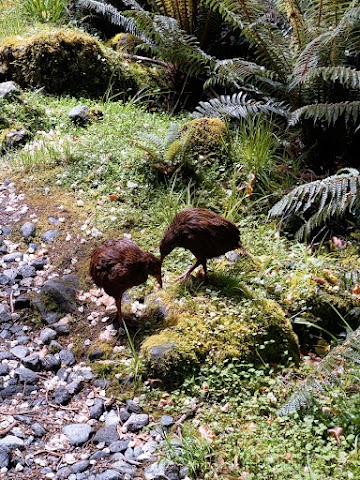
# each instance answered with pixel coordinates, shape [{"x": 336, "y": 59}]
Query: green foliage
[
  {"x": 332, "y": 196},
  {"x": 340, "y": 365},
  {"x": 45, "y": 10},
  {"x": 305, "y": 68},
  {"x": 162, "y": 34}
]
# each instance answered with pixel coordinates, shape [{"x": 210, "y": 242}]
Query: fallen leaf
[
  {"x": 319, "y": 280},
  {"x": 206, "y": 433}
]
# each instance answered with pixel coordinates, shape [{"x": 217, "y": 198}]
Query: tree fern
[
  {"x": 239, "y": 106},
  {"x": 334, "y": 369},
  {"x": 332, "y": 196}
]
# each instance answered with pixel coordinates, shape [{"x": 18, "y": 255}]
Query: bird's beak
[{"x": 159, "y": 279}]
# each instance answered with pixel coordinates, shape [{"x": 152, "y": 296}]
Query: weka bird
[
  {"x": 204, "y": 233},
  {"x": 117, "y": 265}
]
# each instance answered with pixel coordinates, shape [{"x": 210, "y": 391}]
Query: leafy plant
[
  {"x": 163, "y": 35},
  {"x": 45, "y": 10},
  {"x": 334, "y": 369},
  {"x": 332, "y": 196},
  {"x": 305, "y": 66}
]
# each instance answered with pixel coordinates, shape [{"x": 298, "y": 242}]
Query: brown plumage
[
  {"x": 117, "y": 265},
  {"x": 204, "y": 233}
]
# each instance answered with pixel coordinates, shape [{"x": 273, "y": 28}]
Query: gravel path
[{"x": 56, "y": 420}]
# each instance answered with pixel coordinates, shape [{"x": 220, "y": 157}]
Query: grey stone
[
  {"x": 47, "y": 334},
  {"x": 112, "y": 419},
  {"x": 28, "y": 230},
  {"x": 54, "y": 347},
  {"x": 124, "y": 468},
  {"x": 80, "y": 466},
  {"x": 75, "y": 386},
  {"x": 54, "y": 220},
  {"x": 9, "y": 89},
  {"x": 119, "y": 445},
  {"x": 20, "y": 351},
  {"x": 6, "y": 356},
  {"x": 22, "y": 339},
  {"x": 167, "y": 420},
  {"x": 107, "y": 435},
  {"x": 50, "y": 235},
  {"x": 155, "y": 471},
  {"x": 5, "y": 335},
  {"x": 25, "y": 419},
  {"x": 4, "y": 460},
  {"x": 5, "y": 315},
  {"x": 77, "y": 433},
  {"x": 124, "y": 414},
  {"x": 57, "y": 295},
  {"x": 80, "y": 115},
  {"x": 172, "y": 472},
  {"x": 51, "y": 363},
  {"x": 63, "y": 473},
  {"x": 11, "y": 274},
  {"x": 10, "y": 442},
  {"x": 62, "y": 396},
  {"x": 22, "y": 301},
  {"x": 99, "y": 455},
  {"x": 12, "y": 257},
  {"x": 38, "y": 429},
  {"x": 4, "y": 369},
  {"x": 67, "y": 357},
  {"x": 96, "y": 410},
  {"x": 61, "y": 328},
  {"x": 129, "y": 454},
  {"x": 136, "y": 422},
  {"x": 25, "y": 375},
  {"x": 184, "y": 471},
  {"x": 32, "y": 362},
  {"x": 232, "y": 256},
  {"x": 101, "y": 383},
  {"x": 27, "y": 271},
  {"x": 133, "y": 407},
  {"x": 108, "y": 475},
  {"x": 4, "y": 280},
  {"x": 32, "y": 247},
  {"x": 39, "y": 263},
  {"x": 6, "y": 230}
]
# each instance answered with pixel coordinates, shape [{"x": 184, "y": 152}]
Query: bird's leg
[
  {"x": 119, "y": 314},
  {"x": 188, "y": 271}
]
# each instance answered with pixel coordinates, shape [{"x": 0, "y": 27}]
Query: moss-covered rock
[
  {"x": 249, "y": 330},
  {"x": 60, "y": 61},
  {"x": 205, "y": 136}
]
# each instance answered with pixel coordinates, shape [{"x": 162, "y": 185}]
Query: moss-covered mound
[
  {"x": 249, "y": 330},
  {"x": 205, "y": 136},
  {"x": 60, "y": 61}
]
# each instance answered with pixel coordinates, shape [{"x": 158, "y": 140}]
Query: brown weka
[
  {"x": 117, "y": 265},
  {"x": 204, "y": 233}
]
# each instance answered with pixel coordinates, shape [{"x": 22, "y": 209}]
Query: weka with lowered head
[
  {"x": 204, "y": 233},
  {"x": 117, "y": 265}
]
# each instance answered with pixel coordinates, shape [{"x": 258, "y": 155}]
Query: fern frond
[
  {"x": 162, "y": 34},
  {"x": 347, "y": 76},
  {"x": 238, "y": 72},
  {"x": 332, "y": 370},
  {"x": 332, "y": 196},
  {"x": 327, "y": 112},
  {"x": 238, "y": 106}
]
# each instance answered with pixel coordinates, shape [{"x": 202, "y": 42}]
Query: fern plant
[
  {"x": 334, "y": 369},
  {"x": 331, "y": 196},
  {"x": 305, "y": 64},
  {"x": 166, "y": 30},
  {"x": 165, "y": 154}
]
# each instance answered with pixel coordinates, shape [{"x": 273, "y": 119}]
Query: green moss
[
  {"x": 249, "y": 330},
  {"x": 60, "y": 61},
  {"x": 205, "y": 136}
]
